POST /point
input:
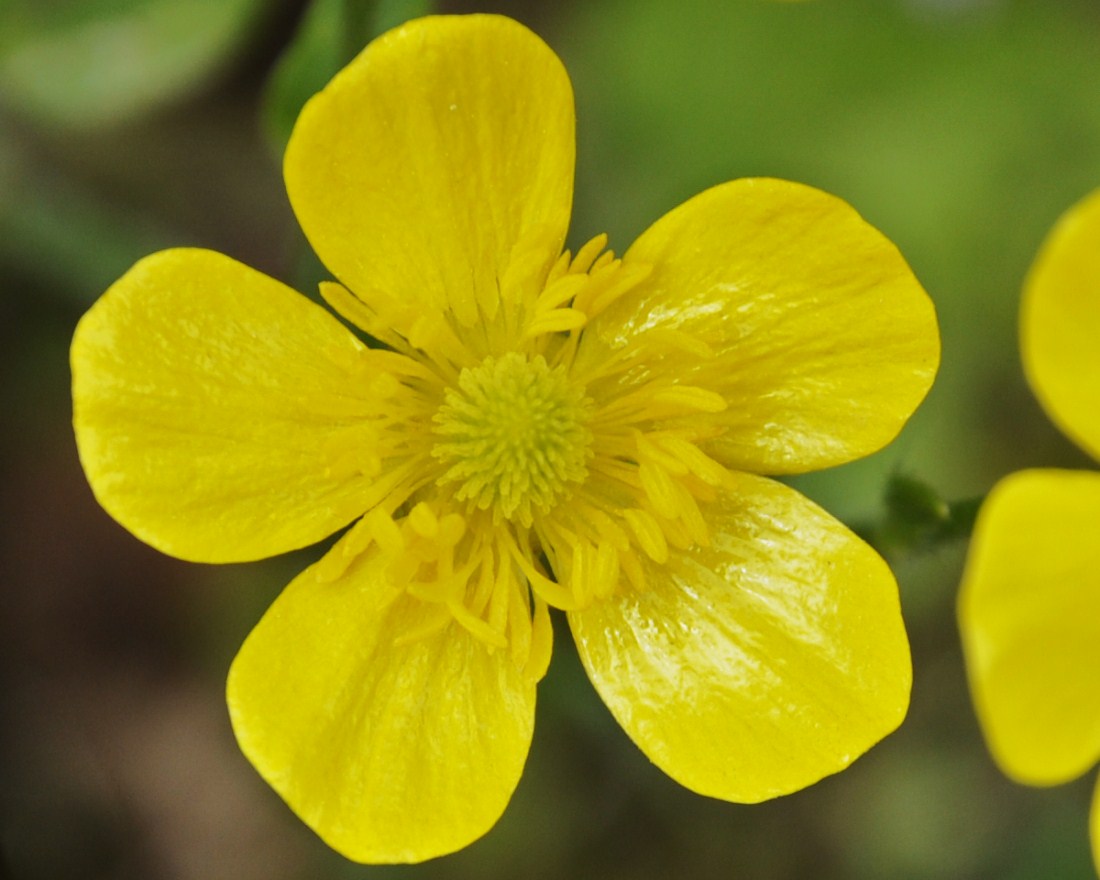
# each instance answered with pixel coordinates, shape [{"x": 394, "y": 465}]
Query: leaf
[
  {"x": 80, "y": 65},
  {"x": 917, "y": 519},
  {"x": 332, "y": 32}
]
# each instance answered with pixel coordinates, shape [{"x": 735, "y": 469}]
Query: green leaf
[
  {"x": 317, "y": 52},
  {"x": 916, "y": 518},
  {"x": 102, "y": 61},
  {"x": 390, "y": 13},
  {"x": 332, "y": 32}
]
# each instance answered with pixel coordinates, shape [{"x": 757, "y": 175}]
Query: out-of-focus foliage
[
  {"x": 331, "y": 33},
  {"x": 88, "y": 62},
  {"x": 960, "y": 129},
  {"x": 71, "y": 70}
]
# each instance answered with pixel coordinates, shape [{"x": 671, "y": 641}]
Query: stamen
[
  {"x": 553, "y": 474},
  {"x": 649, "y": 534},
  {"x": 556, "y": 321},
  {"x": 541, "y": 643},
  {"x": 588, "y": 253},
  {"x": 560, "y": 291}
]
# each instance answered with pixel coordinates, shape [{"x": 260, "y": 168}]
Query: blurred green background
[{"x": 961, "y": 128}]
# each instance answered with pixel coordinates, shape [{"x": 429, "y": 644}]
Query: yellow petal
[
  {"x": 392, "y": 750},
  {"x": 441, "y": 152},
  {"x": 824, "y": 342},
  {"x": 1060, "y": 324},
  {"x": 755, "y": 666},
  {"x": 205, "y": 398},
  {"x": 1029, "y": 611}
]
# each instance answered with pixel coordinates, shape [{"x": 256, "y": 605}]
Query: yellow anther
[
  {"x": 605, "y": 571},
  {"x": 651, "y": 538},
  {"x": 483, "y": 590},
  {"x": 587, "y": 254},
  {"x": 385, "y": 531},
  {"x": 664, "y": 493},
  {"x": 694, "y": 459},
  {"x": 498, "y": 602},
  {"x": 423, "y": 521},
  {"x": 692, "y": 519},
  {"x": 443, "y": 592},
  {"x": 580, "y": 577},
  {"x": 650, "y": 451},
  {"x": 605, "y": 259},
  {"x": 541, "y": 644},
  {"x": 487, "y": 632},
  {"x": 519, "y": 632},
  {"x": 555, "y": 321},
  {"x": 608, "y": 530},
  {"x": 451, "y": 529},
  {"x": 551, "y": 592},
  {"x": 560, "y": 291}
]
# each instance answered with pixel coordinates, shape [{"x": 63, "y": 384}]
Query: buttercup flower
[
  {"x": 535, "y": 429},
  {"x": 1029, "y": 607}
]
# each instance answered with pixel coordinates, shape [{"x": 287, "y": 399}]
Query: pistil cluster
[{"x": 514, "y": 435}]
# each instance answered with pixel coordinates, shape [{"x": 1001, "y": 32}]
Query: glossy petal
[
  {"x": 207, "y": 398},
  {"x": 756, "y": 666},
  {"x": 424, "y": 163},
  {"x": 390, "y": 751},
  {"x": 824, "y": 342},
  {"x": 1029, "y": 610},
  {"x": 1060, "y": 324}
]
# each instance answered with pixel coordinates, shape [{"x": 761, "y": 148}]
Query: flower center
[{"x": 514, "y": 434}]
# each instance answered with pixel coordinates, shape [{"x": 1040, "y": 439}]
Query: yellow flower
[
  {"x": 1029, "y": 607},
  {"x": 539, "y": 429}
]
